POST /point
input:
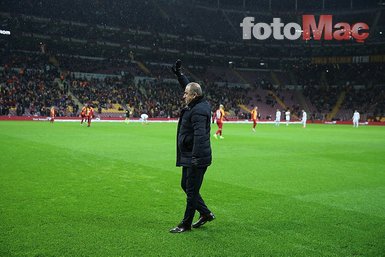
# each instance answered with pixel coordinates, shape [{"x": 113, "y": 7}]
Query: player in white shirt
[
  {"x": 277, "y": 117},
  {"x": 356, "y": 118},
  {"x": 287, "y": 116},
  {"x": 304, "y": 118},
  {"x": 144, "y": 118}
]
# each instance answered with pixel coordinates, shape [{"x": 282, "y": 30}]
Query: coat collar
[{"x": 196, "y": 100}]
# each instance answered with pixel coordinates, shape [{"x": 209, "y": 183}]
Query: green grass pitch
[{"x": 113, "y": 190}]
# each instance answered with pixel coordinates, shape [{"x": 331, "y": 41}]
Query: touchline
[{"x": 309, "y": 30}]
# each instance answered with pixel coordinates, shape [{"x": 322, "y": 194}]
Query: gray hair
[{"x": 195, "y": 88}]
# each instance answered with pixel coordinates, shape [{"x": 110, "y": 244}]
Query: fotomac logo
[{"x": 309, "y": 29}]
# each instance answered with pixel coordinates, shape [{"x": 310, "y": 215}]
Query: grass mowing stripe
[{"x": 368, "y": 201}]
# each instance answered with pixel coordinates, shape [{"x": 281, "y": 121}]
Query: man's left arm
[{"x": 199, "y": 122}]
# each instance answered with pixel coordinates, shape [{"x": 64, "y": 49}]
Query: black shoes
[
  {"x": 203, "y": 219},
  {"x": 180, "y": 229}
]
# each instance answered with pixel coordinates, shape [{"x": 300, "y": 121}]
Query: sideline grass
[{"x": 113, "y": 190}]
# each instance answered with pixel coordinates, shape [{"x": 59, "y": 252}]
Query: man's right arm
[{"x": 182, "y": 79}]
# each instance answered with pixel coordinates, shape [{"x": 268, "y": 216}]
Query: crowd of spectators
[
  {"x": 147, "y": 96},
  {"x": 367, "y": 100},
  {"x": 122, "y": 31},
  {"x": 156, "y": 97},
  {"x": 33, "y": 92},
  {"x": 85, "y": 36}
]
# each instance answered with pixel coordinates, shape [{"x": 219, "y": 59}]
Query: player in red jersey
[
  {"x": 89, "y": 114},
  {"x": 254, "y": 116},
  {"x": 219, "y": 115},
  {"x": 52, "y": 113},
  {"x": 83, "y": 114}
]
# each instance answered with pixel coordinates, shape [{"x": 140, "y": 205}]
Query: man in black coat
[{"x": 193, "y": 150}]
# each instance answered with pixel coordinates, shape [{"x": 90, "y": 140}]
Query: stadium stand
[{"x": 116, "y": 57}]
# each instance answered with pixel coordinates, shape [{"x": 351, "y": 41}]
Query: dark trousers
[{"x": 191, "y": 183}]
